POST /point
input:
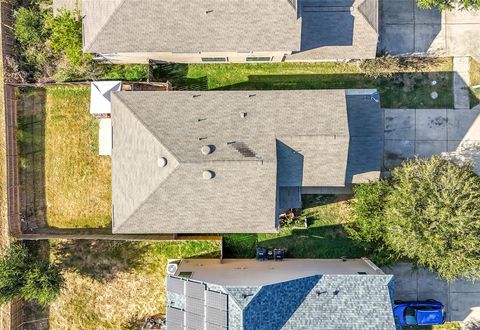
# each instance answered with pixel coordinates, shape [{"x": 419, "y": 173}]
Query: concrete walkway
[
  {"x": 409, "y": 30},
  {"x": 427, "y": 132},
  {"x": 461, "y": 81}
]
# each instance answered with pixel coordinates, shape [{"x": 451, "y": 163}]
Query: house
[
  {"x": 231, "y": 161},
  {"x": 268, "y": 295},
  {"x": 216, "y": 31}
]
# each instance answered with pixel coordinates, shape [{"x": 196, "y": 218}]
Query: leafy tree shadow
[{"x": 99, "y": 259}]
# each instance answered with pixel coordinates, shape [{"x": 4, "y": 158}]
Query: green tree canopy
[
  {"x": 430, "y": 215},
  {"x": 29, "y": 27},
  {"x": 23, "y": 275},
  {"x": 449, "y": 4}
]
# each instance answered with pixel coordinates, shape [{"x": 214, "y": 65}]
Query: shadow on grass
[
  {"x": 324, "y": 238},
  {"x": 104, "y": 259},
  {"x": 177, "y": 75},
  {"x": 400, "y": 90},
  {"x": 474, "y": 97},
  {"x": 31, "y": 150},
  {"x": 101, "y": 260},
  {"x": 35, "y": 315}
]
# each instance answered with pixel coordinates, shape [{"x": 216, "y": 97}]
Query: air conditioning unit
[{"x": 172, "y": 268}]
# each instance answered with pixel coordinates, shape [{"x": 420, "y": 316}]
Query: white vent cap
[
  {"x": 206, "y": 150},
  {"x": 207, "y": 174},
  {"x": 162, "y": 162}
]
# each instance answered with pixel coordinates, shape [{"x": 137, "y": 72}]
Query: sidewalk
[{"x": 461, "y": 81}]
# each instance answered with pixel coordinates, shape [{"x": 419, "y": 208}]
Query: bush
[
  {"x": 431, "y": 215},
  {"x": 382, "y": 66},
  {"x": 133, "y": 72},
  {"x": 12, "y": 268},
  {"x": 29, "y": 27},
  {"x": 367, "y": 229},
  {"x": 449, "y": 4},
  {"x": 66, "y": 36},
  {"x": 43, "y": 282},
  {"x": 23, "y": 275}
]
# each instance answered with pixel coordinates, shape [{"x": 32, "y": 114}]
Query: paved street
[
  {"x": 406, "y": 29},
  {"x": 426, "y": 132},
  {"x": 460, "y": 297}
]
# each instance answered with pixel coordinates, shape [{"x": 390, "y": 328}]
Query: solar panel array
[{"x": 204, "y": 309}]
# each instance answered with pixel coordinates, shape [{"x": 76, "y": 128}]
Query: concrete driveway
[
  {"x": 427, "y": 132},
  {"x": 461, "y": 297},
  {"x": 406, "y": 30}
]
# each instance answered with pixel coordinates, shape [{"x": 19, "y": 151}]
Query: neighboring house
[
  {"x": 137, "y": 31},
  {"x": 230, "y": 161},
  {"x": 267, "y": 295}
]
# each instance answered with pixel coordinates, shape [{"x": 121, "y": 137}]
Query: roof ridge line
[
  {"x": 365, "y": 17},
  {"x": 148, "y": 197},
  {"x": 117, "y": 95},
  {"x": 106, "y": 22}
]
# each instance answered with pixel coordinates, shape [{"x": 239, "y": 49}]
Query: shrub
[
  {"x": 43, "y": 282},
  {"x": 29, "y": 27},
  {"x": 66, "y": 36},
  {"x": 382, "y": 66},
  {"x": 23, "y": 275},
  {"x": 432, "y": 216},
  {"x": 12, "y": 268},
  {"x": 427, "y": 212},
  {"x": 449, "y": 4},
  {"x": 133, "y": 72},
  {"x": 368, "y": 229}
]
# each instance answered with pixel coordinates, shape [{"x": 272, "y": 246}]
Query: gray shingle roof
[
  {"x": 331, "y": 302},
  {"x": 323, "y": 29},
  {"x": 337, "y": 29},
  {"x": 308, "y": 131},
  {"x": 185, "y": 26}
]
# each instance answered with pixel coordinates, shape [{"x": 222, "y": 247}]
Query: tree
[
  {"x": 431, "y": 215},
  {"x": 23, "y": 275},
  {"x": 12, "y": 268},
  {"x": 66, "y": 36},
  {"x": 449, "y": 4},
  {"x": 43, "y": 282},
  {"x": 29, "y": 27},
  {"x": 367, "y": 228}
]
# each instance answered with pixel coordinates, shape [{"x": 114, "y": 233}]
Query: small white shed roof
[
  {"x": 100, "y": 93},
  {"x": 105, "y": 137}
]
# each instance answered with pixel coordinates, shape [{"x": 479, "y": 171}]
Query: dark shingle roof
[{"x": 331, "y": 302}]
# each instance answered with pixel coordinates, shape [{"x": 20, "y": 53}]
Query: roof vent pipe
[
  {"x": 206, "y": 150},
  {"x": 207, "y": 175},
  {"x": 161, "y": 162}
]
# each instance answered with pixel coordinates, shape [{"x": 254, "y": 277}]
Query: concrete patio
[
  {"x": 461, "y": 297},
  {"x": 427, "y": 132},
  {"x": 407, "y": 29}
]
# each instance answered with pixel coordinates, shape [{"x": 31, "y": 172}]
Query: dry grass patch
[
  {"x": 474, "y": 81},
  {"x": 115, "y": 284},
  {"x": 77, "y": 179}
]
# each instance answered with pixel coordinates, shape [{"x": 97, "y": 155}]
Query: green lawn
[
  {"x": 67, "y": 184},
  {"x": 115, "y": 284},
  {"x": 404, "y": 89},
  {"x": 446, "y": 326},
  {"x": 474, "y": 81},
  {"x": 324, "y": 238}
]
